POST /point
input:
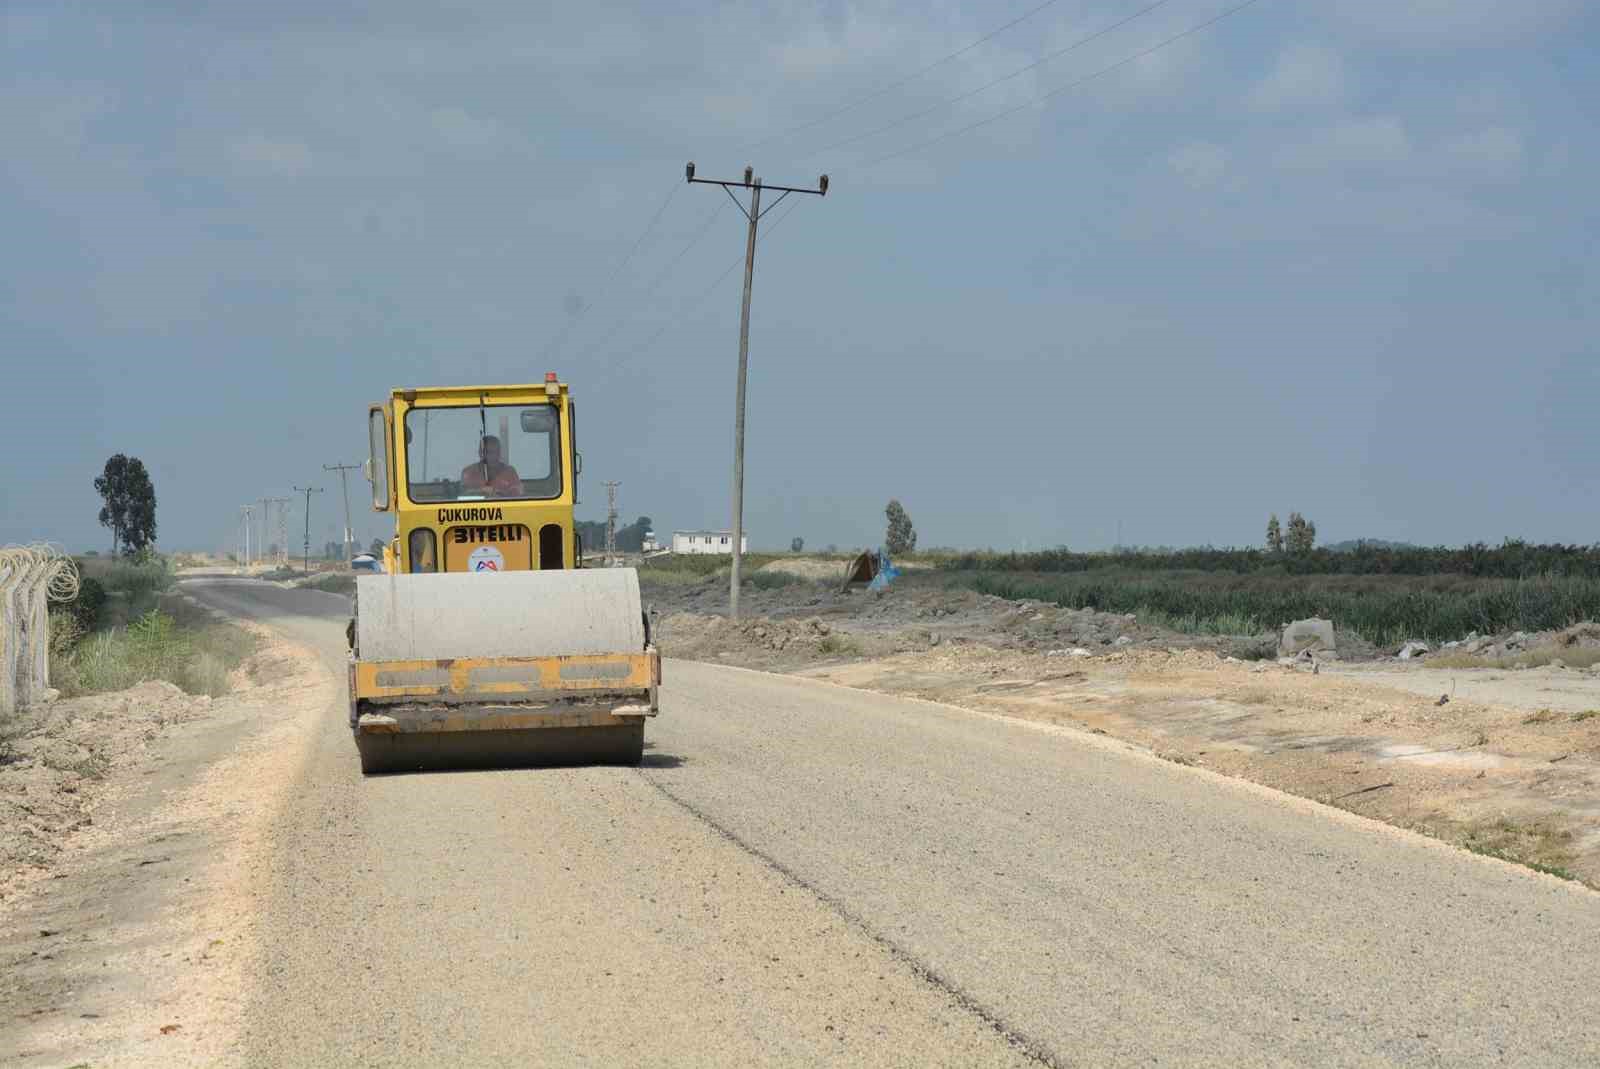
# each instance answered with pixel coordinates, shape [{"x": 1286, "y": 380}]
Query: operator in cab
[{"x": 488, "y": 474}]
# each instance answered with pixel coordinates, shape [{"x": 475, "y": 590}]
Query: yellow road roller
[{"x": 485, "y": 643}]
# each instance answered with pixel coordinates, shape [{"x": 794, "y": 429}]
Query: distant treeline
[
  {"x": 630, "y": 539},
  {"x": 1512, "y": 559}
]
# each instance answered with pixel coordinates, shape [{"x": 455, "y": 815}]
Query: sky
[{"x": 1334, "y": 257}]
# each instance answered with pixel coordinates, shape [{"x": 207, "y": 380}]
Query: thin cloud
[
  {"x": 1377, "y": 141},
  {"x": 1304, "y": 76},
  {"x": 271, "y": 155},
  {"x": 1199, "y": 163},
  {"x": 1434, "y": 25},
  {"x": 1493, "y": 152}
]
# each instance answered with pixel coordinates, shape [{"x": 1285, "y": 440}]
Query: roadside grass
[
  {"x": 1550, "y": 716},
  {"x": 1534, "y": 845},
  {"x": 704, "y": 563},
  {"x": 691, "y": 570},
  {"x": 175, "y": 642},
  {"x": 1383, "y": 609},
  {"x": 771, "y": 580},
  {"x": 834, "y": 644},
  {"x": 649, "y": 577},
  {"x": 332, "y": 582},
  {"x": 132, "y": 589},
  {"x": 1194, "y": 624}
]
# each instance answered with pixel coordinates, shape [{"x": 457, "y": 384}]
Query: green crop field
[{"x": 1383, "y": 609}]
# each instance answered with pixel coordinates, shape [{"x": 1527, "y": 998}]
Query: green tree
[
  {"x": 630, "y": 539},
  {"x": 901, "y": 536},
  {"x": 376, "y": 549},
  {"x": 1302, "y": 536},
  {"x": 593, "y": 535},
  {"x": 1274, "y": 535},
  {"x": 797, "y": 544},
  {"x": 130, "y": 504}
]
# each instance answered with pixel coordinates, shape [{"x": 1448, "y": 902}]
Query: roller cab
[{"x": 485, "y": 643}]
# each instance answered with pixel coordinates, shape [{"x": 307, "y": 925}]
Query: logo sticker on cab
[{"x": 486, "y": 559}]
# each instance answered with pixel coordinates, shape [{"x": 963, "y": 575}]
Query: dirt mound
[
  {"x": 917, "y": 612},
  {"x": 764, "y": 642},
  {"x": 52, "y": 756},
  {"x": 1580, "y": 636},
  {"x": 1577, "y": 646}
]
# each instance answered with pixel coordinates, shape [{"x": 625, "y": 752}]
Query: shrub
[
  {"x": 87, "y": 607},
  {"x": 764, "y": 580},
  {"x": 139, "y": 583}
]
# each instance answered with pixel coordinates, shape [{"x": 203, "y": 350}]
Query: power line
[
  {"x": 892, "y": 86},
  {"x": 693, "y": 304},
  {"x": 605, "y": 290},
  {"x": 705, "y": 295},
  {"x": 661, "y": 277},
  {"x": 1057, "y": 54},
  {"x": 1042, "y": 98}
]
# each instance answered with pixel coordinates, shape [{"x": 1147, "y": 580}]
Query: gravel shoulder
[{"x": 130, "y": 908}]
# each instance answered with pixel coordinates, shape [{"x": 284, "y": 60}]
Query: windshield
[{"x": 478, "y": 453}]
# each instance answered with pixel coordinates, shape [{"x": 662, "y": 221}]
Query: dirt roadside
[
  {"x": 126, "y": 911},
  {"x": 1507, "y": 764}
]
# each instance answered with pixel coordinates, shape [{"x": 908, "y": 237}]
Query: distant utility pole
[
  {"x": 308, "y": 491},
  {"x": 611, "y": 524},
  {"x": 344, "y": 484},
  {"x": 245, "y": 514},
  {"x": 754, "y": 214},
  {"x": 283, "y": 525}
]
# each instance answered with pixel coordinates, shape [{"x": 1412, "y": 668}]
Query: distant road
[{"x": 806, "y": 874}]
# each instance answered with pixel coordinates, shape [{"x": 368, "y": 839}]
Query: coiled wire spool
[{"x": 25, "y": 573}]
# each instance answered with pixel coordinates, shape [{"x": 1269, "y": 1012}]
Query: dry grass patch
[
  {"x": 1540, "y": 845},
  {"x": 1570, "y": 656}
]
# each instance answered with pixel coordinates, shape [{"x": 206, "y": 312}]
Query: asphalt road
[{"x": 803, "y": 874}]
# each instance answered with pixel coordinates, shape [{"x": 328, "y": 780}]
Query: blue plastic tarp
[{"x": 887, "y": 573}]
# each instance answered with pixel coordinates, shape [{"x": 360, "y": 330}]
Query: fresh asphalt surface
[{"x": 802, "y": 873}]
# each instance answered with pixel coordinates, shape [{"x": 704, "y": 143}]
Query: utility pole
[
  {"x": 344, "y": 485},
  {"x": 611, "y": 524},
  {"x": 246, "y": 512},
  {"x": 283, "y": 525},
  {"x": 754, "y": 214},
  {"x": 308, "y": 491},
  {"x": 266, "y": 524}
]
